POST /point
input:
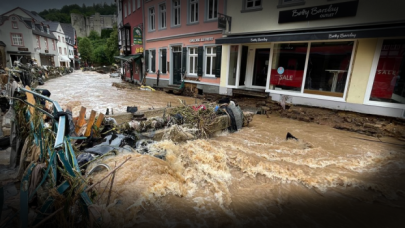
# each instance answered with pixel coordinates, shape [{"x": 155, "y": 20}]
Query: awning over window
[
  {"x": 64, "y": 58},
  {"x": 46, "y": 54},
  {"x": 129, "y": 58},
  {"x": 332, "y": 34}
]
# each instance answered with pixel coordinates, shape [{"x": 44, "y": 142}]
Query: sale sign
[{"x": 283, "y": 77}]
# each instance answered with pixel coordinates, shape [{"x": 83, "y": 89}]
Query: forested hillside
[{"x": 63, "y": 15}]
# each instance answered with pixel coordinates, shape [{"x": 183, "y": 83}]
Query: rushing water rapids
[{"x": 254, "y": 177}]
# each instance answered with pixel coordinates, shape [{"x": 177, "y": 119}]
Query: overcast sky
[{"x": 39, "y": 5}]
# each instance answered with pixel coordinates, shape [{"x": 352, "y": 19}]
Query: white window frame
[
  {"x": 160, "y": 60},
  {"x": 152, "y": 19},
  {"x": 139, "y": 4},
  {"x": 151, "y": 58},
  {"x": 162, "y": 16},
  {"x": 211, "y": 57},
  {"x": 238, "y": 61},
  {"x": 301, "y": 93},
  {"x": 133, "y": 5},
  {"x": 207, "y": 13},
  {"x": 17, "y": 39},
  {"x": 176, "y": 11},
  {"x": 370, "y": 83},
  {"x": 129, "y": 7},
  {"x": 14, "y": 24},
  {"x": 125, "y": 10},
  {"x": 191, "y": 17},
  {"x": 192, "y": 57}
]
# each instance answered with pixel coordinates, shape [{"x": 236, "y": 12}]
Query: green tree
[
  {"x": 85, "y": 49},
  {"x": 94, "y": 35},
  {"x": 112, "y": 45},
  {"x": 100, "y": 55}
]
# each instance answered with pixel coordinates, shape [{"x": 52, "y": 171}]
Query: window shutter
[
  {"x": 184, "y": 60},
  {"x": 153, "y": 60},
  {"x": 164, "y": 61},
  {"x": 147, "y": 60},
  {"x": 200, "y": 60},
  {"x": 218, "y": 62}
]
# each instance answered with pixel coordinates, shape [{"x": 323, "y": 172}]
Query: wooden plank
[
  {"x": 90, "y": 123},
  {"x": 100, "y": 120},
  {"x": 324, "y": 93},
  {"x": 30, "y": 99},
  {"x": 80, "y": 121}
]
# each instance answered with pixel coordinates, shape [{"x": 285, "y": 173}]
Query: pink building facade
[{"x": 180, "y": 43}]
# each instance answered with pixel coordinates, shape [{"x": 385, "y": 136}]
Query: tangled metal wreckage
[{"x": 56, "y": 153}]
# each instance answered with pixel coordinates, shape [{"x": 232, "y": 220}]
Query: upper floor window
[
  {"x": 176, "y": 12},
  {"x": 46, "y": 43},
  {"x": 54, "y": 45},
  {"x": 14, "y": 24},
  {"x": 129, "y": 7},
  {"x": 47, "y": 30},
  {"x": 60, "y": 50},
  {"x": 133, "y": 5},
  {"x": 212, "y": 9},
  {"x": 42, "y": 28},
  {"x": 65, "y": 51},
  {"x": 162, "y": 16},
  {"x": 152, "y": 19},
  {"x": 63, "y": 39},
  {"x": 139, "y": 4},
  {"x": 252, "y": 5},
  {"x": 125, "y": 10},
  {"x": 17, "y": 39},
  {"x": 59, "y": 38},
  {"x": 193, "y": 11},
  {"x": 38, "y": 42}
]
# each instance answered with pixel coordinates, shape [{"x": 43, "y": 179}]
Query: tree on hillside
[
  {"x": 100, "y": 55},
  {"x": 85, "y": 49},
  {"x": 112, "y": 45},
  {"x": 94, "y": 35}
]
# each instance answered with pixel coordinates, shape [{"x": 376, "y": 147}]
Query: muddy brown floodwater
[
  {"x": 94, "y": 91},
  {"x": 255, "y": 178}
]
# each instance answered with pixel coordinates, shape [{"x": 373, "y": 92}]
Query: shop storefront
[
  {"x": 47, "y": 59},
  {"x": 320, "y": 65}
]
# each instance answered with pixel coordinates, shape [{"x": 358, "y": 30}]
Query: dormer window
[
  {"x": 42, "y": 28},
  {"x": 47, "y": 30}
]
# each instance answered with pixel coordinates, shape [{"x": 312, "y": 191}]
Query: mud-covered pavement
[{"x": 254, "y": 177}]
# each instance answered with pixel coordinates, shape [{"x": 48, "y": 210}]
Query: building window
[
  {"x": 63, "y": 39},
  {"x": 125, "y": 10},
  {"x": 47, "y": 30},
  {"x": 129, "y": 7},
  {"x": 133, "y": 5},
  {"x": 389, "y": 78},
  {"x": 287, "y": 68},
  {"x": 210, "y": 60},
  {"x": 233, "y": 65},
  {"x": 328, "y": 65},
  {"x": 60, "y": 50},
  {"x": 54, "y": 45},
  {"x": 139, "y": 4},
  {"x": 163, "y": 61},
  {"x": 288, "y": 3},
  {"x": 251, "y": 5},
  {"x": 14, "y": 24},
  {"x": 162, "y": 16},
  {"x": 152, "y": 19},
  {"x": 46, "y": 43},
  {"x": 17, "y": 39},
  {"x": 59, "y": 38},
  {"x": 192, "y": 61},
  {"x": 65, "y": 51},
  {"x": 38, "y": 42},
  {"x": 42, "y": 28},
  {"x": 152, "y": 61},
  {"x": 193, "y": 11},
  {"x": 212, "y": 9},
  {"x": 176, "y": 12}
]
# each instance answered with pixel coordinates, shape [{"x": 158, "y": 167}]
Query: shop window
[
  {"x": 139, "y": 4},
  {"x": 211, "y": 9},
  {"x": 162, "y": 16},
  {"x": 176, "y": 12},
  {"x": 287, "y": 68},
  {"x": 192, "y": 61},
  {"x": 328, "y": 65},
  {"x": 233, "y": 62},
  {"x": 210, "y": 61},
  {"x": 389, "y": 80},
  {"x": 193, "y": 11},
  {"x": 17, "y": 39},
  {"x": 152, "y": 19}
]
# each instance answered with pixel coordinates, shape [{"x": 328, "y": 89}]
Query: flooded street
[{"x": 254, "y": 177}]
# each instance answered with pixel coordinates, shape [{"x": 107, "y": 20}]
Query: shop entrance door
[
  {"x": 176, "y": 65},
  {"x": 261, "y": 65}
]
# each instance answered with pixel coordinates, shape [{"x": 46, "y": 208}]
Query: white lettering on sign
[
  {"x": 285, "y": 78},
  {"x": 201, "y": 39},
  {"x": 387, "y": 72},
  {"x": 322, "y": 12},
  {"x": 342, "y": 36},
  {"x": 258, "y": 39}
]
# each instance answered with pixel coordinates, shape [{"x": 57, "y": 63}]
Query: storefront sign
[
  {"x": 259, "y": 39},
  {"x": 23, "y": 49},
  {"x": 344, "y": 9},
  {"x": 139, "y": 50},
  {"x": 201, "y": 39},
  {"x": 137, "y": 34}
]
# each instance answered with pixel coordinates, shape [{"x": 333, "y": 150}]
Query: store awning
[
  {"x": 129, "y": 58},
  {"x": 64, "y": 58},
  {"x": 332, "y": 34},
  {"x": 46, "y": 54}
]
